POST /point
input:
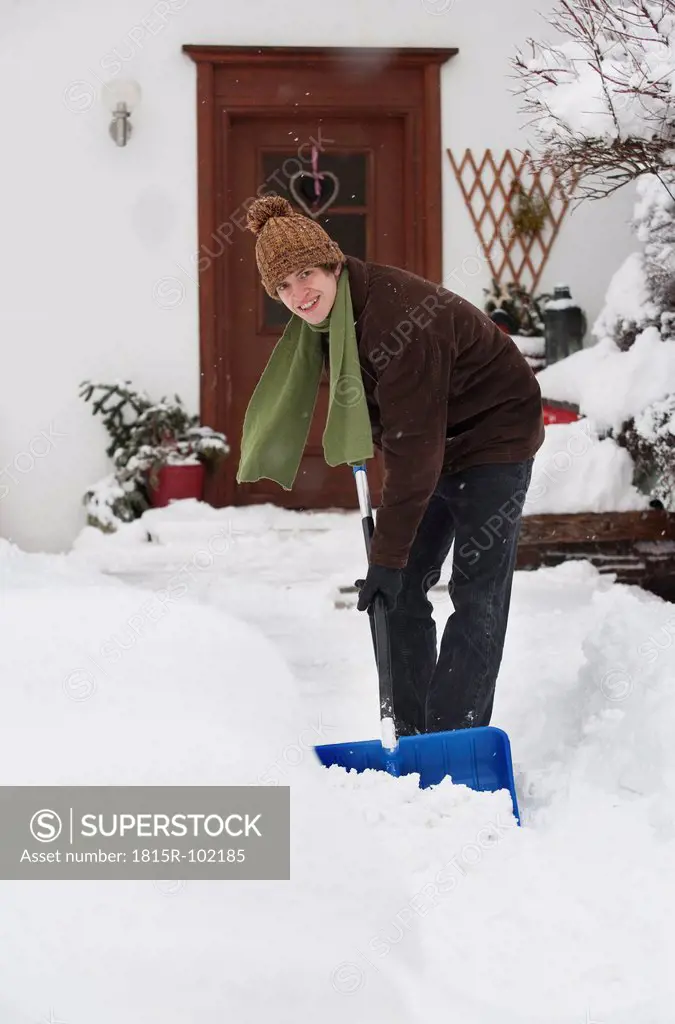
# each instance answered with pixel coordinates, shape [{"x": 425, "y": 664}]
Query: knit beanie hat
[{"x": 286, "y": 241}]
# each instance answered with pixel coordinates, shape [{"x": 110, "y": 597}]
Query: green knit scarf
[{"x": 279, "y": 414}]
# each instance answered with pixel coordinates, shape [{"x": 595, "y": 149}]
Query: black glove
[{"x": 380, "y": 579}]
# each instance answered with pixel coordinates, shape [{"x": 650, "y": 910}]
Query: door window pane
[
  {"x": 275, "y": 313},
  {"x": 348, "y": 186},
  {"x": 348, "y": 230}
]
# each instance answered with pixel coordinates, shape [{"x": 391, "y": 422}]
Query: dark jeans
[{"x": 480, "y": 509}]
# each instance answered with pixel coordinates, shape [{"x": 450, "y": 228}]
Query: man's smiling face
[{"x": 310, "y": 293}]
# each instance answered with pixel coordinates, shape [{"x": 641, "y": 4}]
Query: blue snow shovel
[{"x": 479, "y": 758}]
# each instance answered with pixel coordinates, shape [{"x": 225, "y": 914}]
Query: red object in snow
[
  {"x": 552, "y": 414},
  {"x": 177, "y": 482}
]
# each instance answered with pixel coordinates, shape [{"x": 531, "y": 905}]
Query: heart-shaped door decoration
[{"x": 302, "y": 187}]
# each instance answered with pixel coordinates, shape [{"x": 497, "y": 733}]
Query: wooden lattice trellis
[{"x": 491, "y": 193}]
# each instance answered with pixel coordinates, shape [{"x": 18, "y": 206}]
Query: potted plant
[
  {"x": 159, "y": 452},
  {"x": 519, "y": 314}
]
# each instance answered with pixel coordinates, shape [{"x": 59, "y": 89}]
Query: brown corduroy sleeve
[{"x": 412, "y": 396}]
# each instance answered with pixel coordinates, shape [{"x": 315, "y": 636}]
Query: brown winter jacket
[{"x": 446, "y": 389}]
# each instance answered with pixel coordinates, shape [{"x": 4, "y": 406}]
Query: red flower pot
[
  {"x": 553, "y": 414},
  {"x": 177, "y": 482}
]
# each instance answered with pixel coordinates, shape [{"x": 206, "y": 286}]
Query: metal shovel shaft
[{"x": 380, "y": 624}]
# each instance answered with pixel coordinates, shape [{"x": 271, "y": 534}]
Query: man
[{"x": 457, "y": 413}]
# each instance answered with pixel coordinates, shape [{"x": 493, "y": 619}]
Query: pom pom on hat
[
  {"x": 262, "y": 209},
  {"x": 287, "y": 242}
]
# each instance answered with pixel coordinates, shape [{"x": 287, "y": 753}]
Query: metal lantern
[{"x": 564, "y": 325}]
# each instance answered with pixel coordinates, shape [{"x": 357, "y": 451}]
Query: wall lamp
[{"x": 122, "y": 98}]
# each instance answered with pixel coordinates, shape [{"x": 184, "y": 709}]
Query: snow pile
[
  {"x": 611, "y": 386},
  {"x": 197, "y": 698},
  {"x": 116, "y": 663},
  {"x": 575, "y": 471},
  {"x": 402, "y": 903}
]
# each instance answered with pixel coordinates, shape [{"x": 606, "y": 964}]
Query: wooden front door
[
  {"x": 363, "y": 161},
  {"x": 370, "y": 120}
]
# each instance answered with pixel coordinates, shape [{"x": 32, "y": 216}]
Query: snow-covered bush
[
  {"x": 642, "y": 292},
  {"x": 650, "y": 439},
  {"x": 649, "y": 436},
  {"x": 628, "y": 307},
  {"x": 111, "y": 502},
  {"x": 603, "y": 101},
  {"x": 144, "y": 436},
  {"x": 604, "y": 110},
  {"x": 637, "y": 324}
]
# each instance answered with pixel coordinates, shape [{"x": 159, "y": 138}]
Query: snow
[
  {"x": 610, "y": 386},
  {"x": 565, "y": 303},
  {"x": 388, "y": 733},
  {"x": 632, "y": 365},
  {"x": 101, "y": 497},
  {"x": 653, "y": 211},
  {"x": 615, "y": 84},
  {"x": 628, "y": 303},
  {"x": 533, "y": 346},
  {"x": 402, "y": 903},
  {"x": 576, "y": 471},
  {"x": 657, "y": 421}
]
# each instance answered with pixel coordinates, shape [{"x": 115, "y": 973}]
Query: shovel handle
[{"x": 380, "y": 623}]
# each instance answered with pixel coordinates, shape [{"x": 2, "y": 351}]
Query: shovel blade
[{"x": 477, "y": 758}]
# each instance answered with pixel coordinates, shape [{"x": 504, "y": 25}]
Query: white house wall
[{"x": 93, "y": 237}]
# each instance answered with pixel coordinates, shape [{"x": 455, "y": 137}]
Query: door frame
[{"x": 236, "y": 80}]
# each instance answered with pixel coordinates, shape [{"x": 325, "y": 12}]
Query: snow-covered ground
[{"x": 219, "y": 653}]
